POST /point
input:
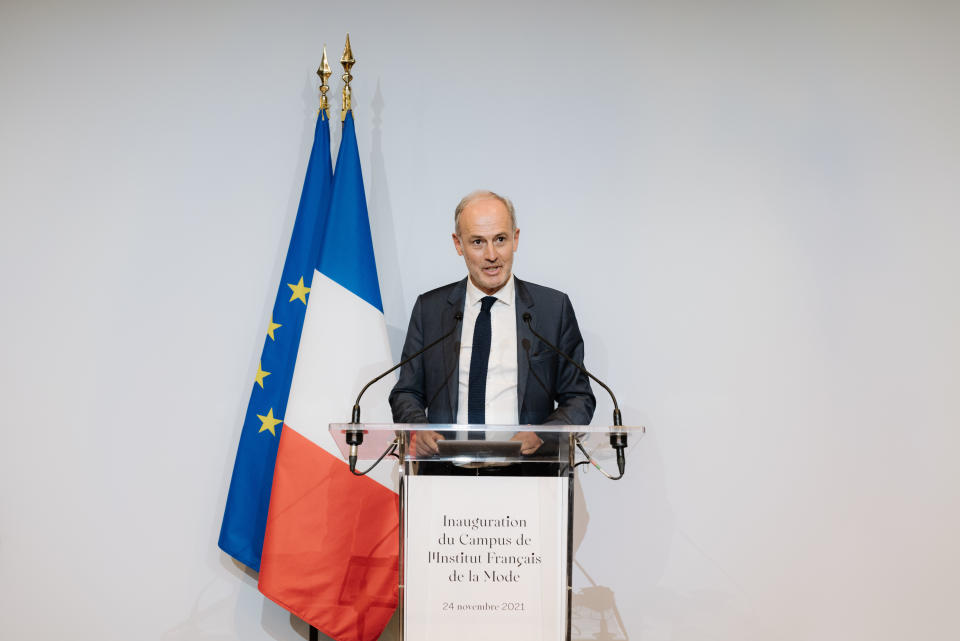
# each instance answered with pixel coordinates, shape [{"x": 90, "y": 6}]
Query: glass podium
[{"x": 485, "y": 531}]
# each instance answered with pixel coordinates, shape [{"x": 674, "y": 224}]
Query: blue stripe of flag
[{"x": 346, "y": 254}]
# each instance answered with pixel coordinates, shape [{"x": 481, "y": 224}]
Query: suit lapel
[
  {"x": 524, "y": 303},
  {"x": 451, "y": 351}
]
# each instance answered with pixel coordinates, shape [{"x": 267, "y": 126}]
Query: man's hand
[
  {"x": 425, "y": 442},
  {"x": 530, "y": 442}
]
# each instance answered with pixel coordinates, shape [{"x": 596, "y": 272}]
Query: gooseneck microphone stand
[
  {"x": 618, "y": 440},
  {"x": 355, "y": 436}
]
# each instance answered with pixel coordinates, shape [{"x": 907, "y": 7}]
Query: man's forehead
[
  {"x": 486, "y": 213},
  {"x": 485, "y": 201}
]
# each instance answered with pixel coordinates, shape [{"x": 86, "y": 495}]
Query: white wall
[{"x": 752, "y": 207}]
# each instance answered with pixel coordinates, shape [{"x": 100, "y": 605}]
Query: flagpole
[
  {"x": 347, "y": 61},
  {"x": 324, "y": 72},
  {"x": 354, "y": 437}
]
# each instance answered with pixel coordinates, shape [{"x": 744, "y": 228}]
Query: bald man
[{"x": 515, "y": 379}]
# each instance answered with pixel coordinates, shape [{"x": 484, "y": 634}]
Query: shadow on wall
[
  {"x": 383, "y": 229},
  {"x": 594, "y": 614},
  {"x": 231, "y": 601},
  {"x": 634, "y": 554}
]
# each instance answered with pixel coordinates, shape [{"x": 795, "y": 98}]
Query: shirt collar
[{"x": 505, "y": 294}]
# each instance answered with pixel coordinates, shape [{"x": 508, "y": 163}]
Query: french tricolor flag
[
  {"x": 325, "y": 541},
  {"x": 330, "y": 553}
]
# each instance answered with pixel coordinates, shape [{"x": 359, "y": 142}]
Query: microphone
[
  {"x": 618, "y": 440},
  {"x": 354, "y": 436}
]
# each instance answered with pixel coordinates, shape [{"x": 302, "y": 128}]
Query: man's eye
[{"x": 476, "y": 243}]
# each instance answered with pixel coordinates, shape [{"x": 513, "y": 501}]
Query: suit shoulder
[
  {"x": 541, "y": 292},
  {"x": 443, "y": 292}
]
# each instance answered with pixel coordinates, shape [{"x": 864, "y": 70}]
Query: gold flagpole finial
[
  {"x": 324, "y": 72},
  {"x": 347, "y": 61}
]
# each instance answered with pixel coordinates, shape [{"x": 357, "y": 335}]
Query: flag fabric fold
[
  {"x": 330, "y": 553},
  {"x": 245, "y": 515}
]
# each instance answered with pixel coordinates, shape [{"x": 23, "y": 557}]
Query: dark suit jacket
[{"x": 549, "y": 389}]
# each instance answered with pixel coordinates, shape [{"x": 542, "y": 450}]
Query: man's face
[{"x": 487, "y": 241}]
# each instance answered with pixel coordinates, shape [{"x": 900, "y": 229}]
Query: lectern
[{"x": 485, "y": 531}]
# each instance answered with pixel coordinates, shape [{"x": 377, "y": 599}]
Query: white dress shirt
[{"x": 501, "y": 399}]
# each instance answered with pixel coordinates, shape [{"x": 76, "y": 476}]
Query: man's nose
[{"x": 489, "y": 253}]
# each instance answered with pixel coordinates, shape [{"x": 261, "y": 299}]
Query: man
[{"x": 514, "y": 379}]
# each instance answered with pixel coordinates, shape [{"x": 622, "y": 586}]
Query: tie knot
[{"x": 486, "y": 303}]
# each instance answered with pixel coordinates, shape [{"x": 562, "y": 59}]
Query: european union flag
[{"x": 245, "y": 517}]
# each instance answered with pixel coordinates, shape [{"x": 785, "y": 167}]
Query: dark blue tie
[{"x": 479, "y": 359}]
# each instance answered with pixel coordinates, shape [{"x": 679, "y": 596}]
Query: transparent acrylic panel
[{"x": 473, "y": 444}]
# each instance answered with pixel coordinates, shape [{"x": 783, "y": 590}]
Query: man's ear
[
  {"x": 457, "y": 245},
  {"x": 516, "y": 238}
]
